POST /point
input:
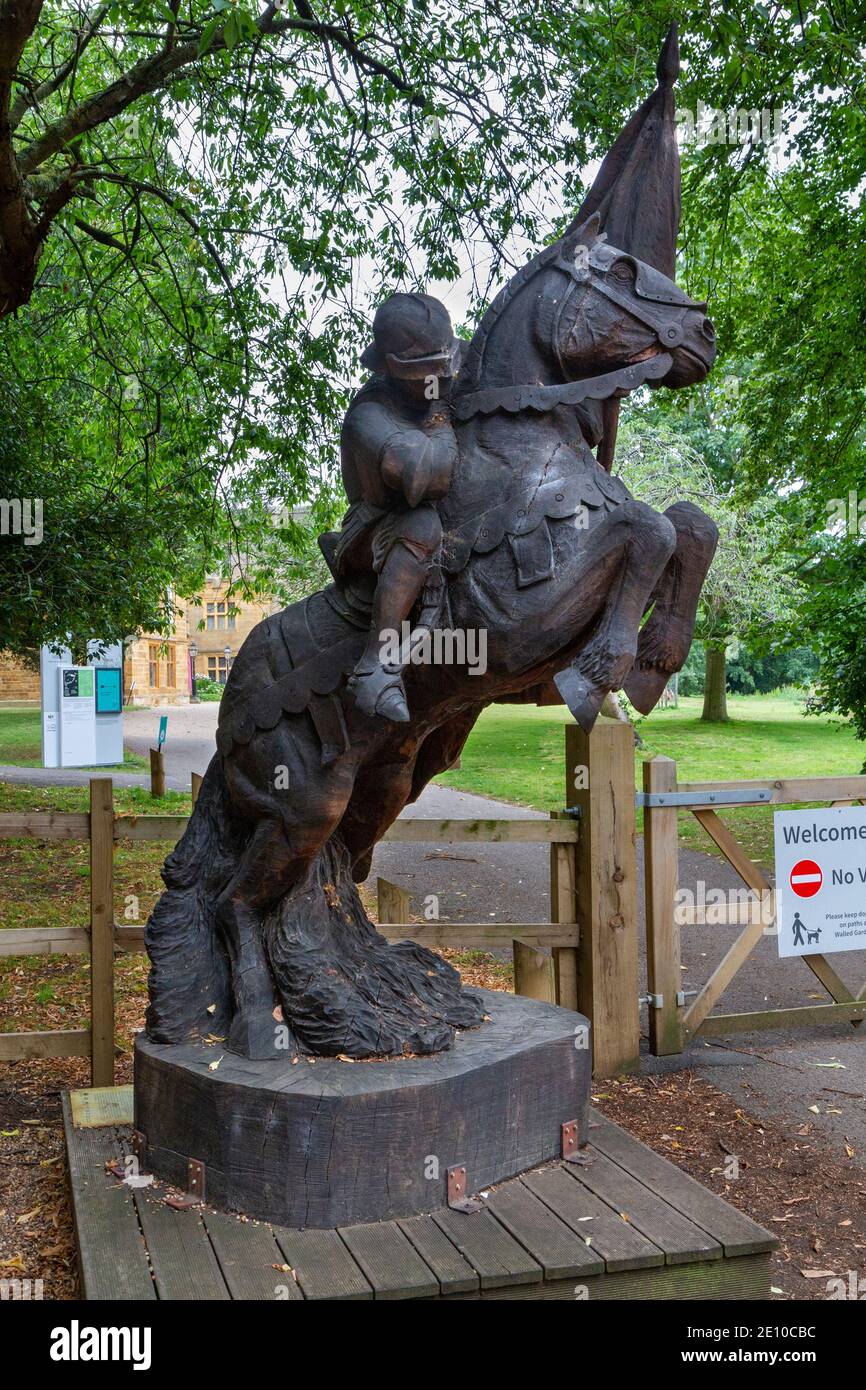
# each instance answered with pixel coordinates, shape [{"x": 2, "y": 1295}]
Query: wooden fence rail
[
  {"x": 551, "y": 976},
  {"x": 585, "y": 957}
]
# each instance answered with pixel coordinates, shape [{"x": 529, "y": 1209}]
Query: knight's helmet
[
  {"x": 412, "y": 338},
  {"x": 636, "y": 192}
]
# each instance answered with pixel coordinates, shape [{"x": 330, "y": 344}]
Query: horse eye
[{"x": 623, "y": 270}]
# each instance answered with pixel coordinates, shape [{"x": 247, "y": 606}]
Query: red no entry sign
[{"x": 806, "y": 878}]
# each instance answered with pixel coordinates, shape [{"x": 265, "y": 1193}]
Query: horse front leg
[
  {"x": 630, "y": 550},
  {"x": 665, "y": 639}
]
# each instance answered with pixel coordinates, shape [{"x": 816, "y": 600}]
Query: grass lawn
[
  {"x": 515, "y": 753},
  {"x": 21, "y": 746}
]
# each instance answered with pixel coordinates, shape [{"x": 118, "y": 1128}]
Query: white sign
[
  {"x": 821, "y": 880},
  {"x": 82, "y": 712},
  {"x": 77, "y": 716}
]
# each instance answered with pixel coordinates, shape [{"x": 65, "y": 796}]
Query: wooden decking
[{"x": 627, "y": 1225}]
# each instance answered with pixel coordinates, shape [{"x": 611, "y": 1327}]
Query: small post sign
[
  {"x": 821, "y": 880},
  {"x": 163, "y": 729}
]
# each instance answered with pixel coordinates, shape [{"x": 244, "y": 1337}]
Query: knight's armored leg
[{"x": 377, "y": 684}]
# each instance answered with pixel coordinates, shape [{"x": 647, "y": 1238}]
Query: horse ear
[{"x": 584, "y": 235}]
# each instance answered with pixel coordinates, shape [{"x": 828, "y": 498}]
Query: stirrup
[{"x": 380, "y": 691}]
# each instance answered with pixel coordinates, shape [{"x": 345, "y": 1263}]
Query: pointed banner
[{"x": 637, "y": 189}]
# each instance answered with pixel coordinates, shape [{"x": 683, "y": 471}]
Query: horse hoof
[
  {"x": 645, "y": 686},
  {"x": 257, "y": 1034},
  {"x": 582, "y": 697}
]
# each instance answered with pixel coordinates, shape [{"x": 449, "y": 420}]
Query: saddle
[{"x": 300, "y": 659}]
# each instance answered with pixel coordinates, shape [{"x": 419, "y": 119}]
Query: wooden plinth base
[{"x": 327, "y": 1143}]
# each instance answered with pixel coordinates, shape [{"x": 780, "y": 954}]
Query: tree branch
[
  {"x": 155, "y": 72},
  {"x": 28, "y": 100}
]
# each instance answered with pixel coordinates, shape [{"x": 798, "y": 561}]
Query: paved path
[{"x": 781, "y": 1073}]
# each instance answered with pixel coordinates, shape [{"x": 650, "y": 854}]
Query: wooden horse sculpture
[{"x": 260, "y": 933}]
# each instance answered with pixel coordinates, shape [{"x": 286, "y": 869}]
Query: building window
[
  {"x": 218, "y": 618},
  {"x": 162, "y": 671},
  {"x": 217, "y": 669}
]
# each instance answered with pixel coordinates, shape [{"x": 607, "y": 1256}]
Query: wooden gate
[{"x": 673, "y": 1023}]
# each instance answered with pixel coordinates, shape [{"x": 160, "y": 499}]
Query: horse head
[
  {"x": 620, "y": 311},
  {"x": 582, "y": 309}
]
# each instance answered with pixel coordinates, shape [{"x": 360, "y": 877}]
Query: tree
[
  {"x": 212, "y": 174},
  {"x": 751, "y": 591},
  {"x": 186, "y": 192}
]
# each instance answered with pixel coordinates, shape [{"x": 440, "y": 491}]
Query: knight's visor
[{"x": 416, "y": 368}]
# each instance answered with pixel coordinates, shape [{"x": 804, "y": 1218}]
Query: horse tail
[{"x": 189, "y": 984}]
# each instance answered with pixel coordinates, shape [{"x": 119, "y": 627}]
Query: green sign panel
[{"x": 109, "y": 690}]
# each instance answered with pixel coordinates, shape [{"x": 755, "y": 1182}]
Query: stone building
[
  {"x": 219, "y": 625},
  {"x": 157, "y": 670}
]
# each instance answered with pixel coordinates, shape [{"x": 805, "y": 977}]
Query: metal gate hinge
[
  {"x": 655, "y": 1001},
  {"x": 727, "y": 796},
  {"x": 456, "y": 1189},
  {"x": 194, "y": 1195},
  {"x": 683, "y": 994}
]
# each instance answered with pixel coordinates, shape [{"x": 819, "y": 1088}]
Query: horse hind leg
[
  {"x": 665, "y": 639},
  {"x": 277, "y": 856}
]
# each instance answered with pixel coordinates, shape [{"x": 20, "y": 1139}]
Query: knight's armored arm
[
  {"x": 416, "y": 461},
  {"x": 420, "y": 463}
]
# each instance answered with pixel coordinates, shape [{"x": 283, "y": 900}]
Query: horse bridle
[{"x": 529, "y": 396}]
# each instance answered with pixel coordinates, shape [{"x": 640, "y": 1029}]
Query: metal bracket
[
  {"x": 194, "y": 1195},
  {"x": 138, "y": 1145},
  {"x": 683, "y": 994},
  {"x": 655, "y": 1001},
  {"x": 573, "y": 811},
  {"x": 456, "y": 1187},
  {"x": 572, "y": 1152},
  {"x": 728, "y": 796}
]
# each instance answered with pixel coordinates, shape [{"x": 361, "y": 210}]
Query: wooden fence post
[
  {"x": 661, "y": 875},
  {"x": 101, "y": 932},
  {"x": 606, "y": 884},
  {"x": 157, "y": 772},
  {"x": 196, "y": 780},
  {"x": 534, "y": 974},
  {"x": 393, "y": 902},
  {"x": 563, "y": 905}
]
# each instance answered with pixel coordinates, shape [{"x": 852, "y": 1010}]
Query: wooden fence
[
  {"x": 555, "y": 976},
  {"x": 673, "y": 1022},
  {"x": 584, "y": 957}
]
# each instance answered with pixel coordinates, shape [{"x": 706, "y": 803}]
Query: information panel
[
  {"x": 109, "y": 689},
  {"x": 821, "y": 880},
  {"x": 77, "y": 716}
]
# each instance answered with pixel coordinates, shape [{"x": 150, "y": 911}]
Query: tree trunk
[{"x": 715, "y": 687}]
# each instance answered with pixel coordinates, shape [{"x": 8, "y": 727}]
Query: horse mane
[{"x": 472, "y": 365}]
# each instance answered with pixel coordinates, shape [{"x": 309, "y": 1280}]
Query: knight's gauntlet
[{"x": 420, "y": 464}]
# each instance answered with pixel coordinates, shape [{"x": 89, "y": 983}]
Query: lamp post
[
  {"x": 227, "y": 653},
  {"x": 193, "y": 692}
]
